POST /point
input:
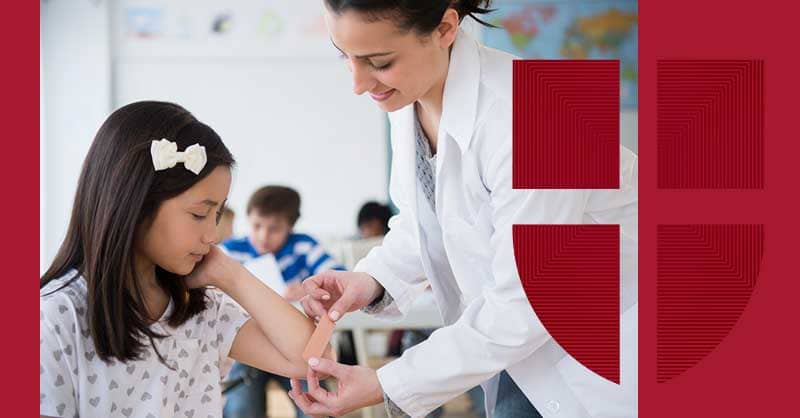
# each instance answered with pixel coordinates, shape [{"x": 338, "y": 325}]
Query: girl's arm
[
  {"x": 252, "y": 347},
  {"x": 277, "y": 334}
]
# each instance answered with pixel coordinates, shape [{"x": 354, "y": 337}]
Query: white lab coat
[{"x": 489, "y": 323}]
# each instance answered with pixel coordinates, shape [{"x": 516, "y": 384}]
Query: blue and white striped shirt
[{"x": 300, "y": 256}]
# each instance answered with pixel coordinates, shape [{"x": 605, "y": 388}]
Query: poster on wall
[
  {"x": 571, "y": 29},
  {"x": 213, "y": 28}
]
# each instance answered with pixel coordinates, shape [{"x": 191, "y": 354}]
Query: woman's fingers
[
  {"x": 314, "y": 287},
  {"x": 303, "y": 402},
  {"x": 312, "y": 307},
  {"x": 314, "y": 389},
  {"x": 343, "y": 304}
]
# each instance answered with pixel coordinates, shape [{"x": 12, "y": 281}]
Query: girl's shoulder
[
  {"x": 63, "y": 325},
  {"x": 63, "y": 299},
  {"x": 219, "y": 302}
]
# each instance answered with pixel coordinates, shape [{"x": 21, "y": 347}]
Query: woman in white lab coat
[{"x": 450, "y": 106}]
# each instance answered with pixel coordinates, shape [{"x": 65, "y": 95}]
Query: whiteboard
[
  {"x": 231, "y": 28},
  {"x": 290, "y": 122}
]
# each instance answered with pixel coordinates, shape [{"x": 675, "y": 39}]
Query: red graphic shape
[
  {"x": 710, "y": 124},
  {"x": 566, "y": 124},
  {"x": 706, "y": 274},
  {"x": 571, "y": 277}
]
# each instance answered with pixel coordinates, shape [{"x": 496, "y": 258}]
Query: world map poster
[{"x": 536, "y": 29}]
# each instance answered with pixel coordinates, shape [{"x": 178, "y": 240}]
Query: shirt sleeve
[
  {"x": 230, "y": 317},
  {"x": 318, "y": 260},
  {"x": 392, "y": 410},
  {"x": 57, "y": 355}
]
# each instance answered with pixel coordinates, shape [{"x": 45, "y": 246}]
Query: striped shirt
[{"x": 300, "y": 256}]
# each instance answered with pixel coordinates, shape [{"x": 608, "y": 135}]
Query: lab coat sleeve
[
  {"x": 498, "y": 328},
  {"x": 396, "y": 263}
]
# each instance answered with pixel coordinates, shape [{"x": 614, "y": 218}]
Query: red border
[
  {"x": 20, "y": 209},
  {"x": 752, "y": 372}
]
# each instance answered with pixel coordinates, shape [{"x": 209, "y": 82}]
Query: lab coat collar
[{"x": 460, "y": 98}]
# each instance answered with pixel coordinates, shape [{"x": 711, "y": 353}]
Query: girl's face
[
  {"x": 185, "y": 227},
  {"x": 395, "y": 67}
]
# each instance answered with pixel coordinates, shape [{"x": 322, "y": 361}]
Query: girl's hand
[{"x": 216, "y": 269}]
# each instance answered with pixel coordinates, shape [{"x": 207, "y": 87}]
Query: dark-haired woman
[{"x": 450, "y": 105}]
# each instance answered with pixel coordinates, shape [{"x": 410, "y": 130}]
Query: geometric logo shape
[
  {"x": 570, "y": 274},
  {"x": 710, "y": 126},
  {"x": 706, "y": 274},
  {"x": 566, "y": 124}
]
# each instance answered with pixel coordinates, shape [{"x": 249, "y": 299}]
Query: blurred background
[{"x": 264, "y": 75}]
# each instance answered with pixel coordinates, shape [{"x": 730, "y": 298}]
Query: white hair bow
[{"x": 165, "y": 155}]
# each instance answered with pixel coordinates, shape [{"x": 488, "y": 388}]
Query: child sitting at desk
[{"x": 272, "y": 213}]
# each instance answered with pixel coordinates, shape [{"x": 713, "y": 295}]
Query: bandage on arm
[{"x": 319, "y": 339}]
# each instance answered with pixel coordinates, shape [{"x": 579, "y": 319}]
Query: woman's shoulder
[
  {"x": 497, "y": 71},
  {"x": 495, "y": 91}
]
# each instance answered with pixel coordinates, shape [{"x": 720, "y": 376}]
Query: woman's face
[
  {"x": 185, "y": 227},
  {"x": 395, "y": 67}
]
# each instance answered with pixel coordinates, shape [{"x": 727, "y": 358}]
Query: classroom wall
[
  {"x": 291, "y": 122},
  {"x": 288, "y": 118},
  {"x": 75, "y": 99}
]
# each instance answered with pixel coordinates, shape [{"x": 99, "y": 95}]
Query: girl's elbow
[
  {"x": 298, "y": 370},
  {"x": 299, "y": 366}
]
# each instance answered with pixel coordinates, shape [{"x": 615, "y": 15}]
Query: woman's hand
[
  {"x": 357, "y": 387},
  {"x": 216, "y": 269},
  {"x": 294, "y": 292},
  {"x": 335, "y": 293}
]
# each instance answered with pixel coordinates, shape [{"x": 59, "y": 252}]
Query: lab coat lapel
[{"x": 404, "y": 162}]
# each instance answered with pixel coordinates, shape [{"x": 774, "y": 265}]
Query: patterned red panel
[
  {"x": 710, "y": 123},
  {"x": 571, "y": 277},
  {"x": 706, "y": 274},
  {"x": 566, "y": 124}
]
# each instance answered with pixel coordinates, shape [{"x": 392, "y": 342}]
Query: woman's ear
[{"x": 448, "y": 28}]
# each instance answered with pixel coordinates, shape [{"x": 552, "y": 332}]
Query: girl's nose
[{"x": 210, "y": 234}]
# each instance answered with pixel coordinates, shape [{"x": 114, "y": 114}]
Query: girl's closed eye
[{"x": 200, "y": 217}]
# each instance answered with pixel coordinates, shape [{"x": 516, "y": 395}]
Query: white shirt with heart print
[{"x": 75, "y": 382}]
